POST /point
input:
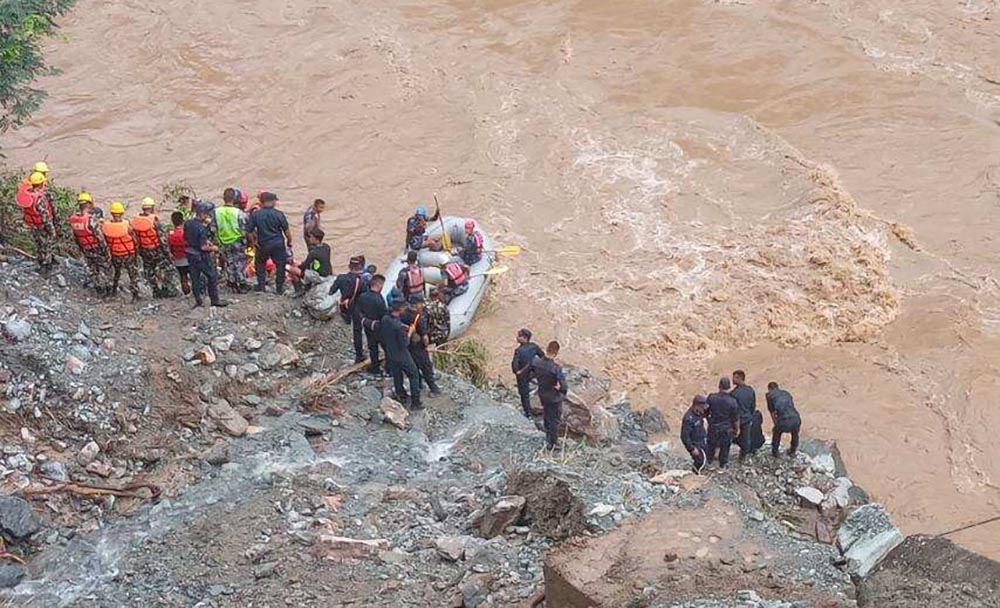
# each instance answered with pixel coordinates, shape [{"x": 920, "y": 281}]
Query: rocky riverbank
[{"x": 158, "y": 456}]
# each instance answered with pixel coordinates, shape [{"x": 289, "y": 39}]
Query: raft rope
[{"x": 970, "y": 526}]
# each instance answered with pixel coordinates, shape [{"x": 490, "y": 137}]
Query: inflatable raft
[{"x": 463, "y": 308}]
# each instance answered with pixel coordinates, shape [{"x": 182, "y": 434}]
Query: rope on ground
[
  {"x": 131, "y": 490},
  {"x": 970, "y": 526}
]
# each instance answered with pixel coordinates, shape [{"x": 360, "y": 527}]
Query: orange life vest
[
  {"x": 120, "y": 240},
  {"x": 455, "y": 273},
  {"x": 178, "y": 246},
  {"x": 85, "y": 237},
  {"x": 144, "y": 227},
  {"x": 27, "y": 199},
  {"x": 415, "y": 278}
]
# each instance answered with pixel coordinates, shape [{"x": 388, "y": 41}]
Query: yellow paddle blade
[
  {"x": 495, "y": 271},
  {"x": 510, "y": 250}
]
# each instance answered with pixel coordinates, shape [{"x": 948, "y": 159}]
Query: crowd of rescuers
[{"x": 712, "y": 424}]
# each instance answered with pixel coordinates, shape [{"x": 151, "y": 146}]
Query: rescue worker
[
  {"x": 199, "y": 250},
  {"x": 419, "y": 341},
  {"x": 351, "y": 286},
  {"x": 456, "y": 277},
  {"x": 178, "y": 250},
  {"x": 747, "y": 400},
  {"x": 438, "y": 317},
  {"x": 185, "y": 204},
  {"x": 693, "y": 434},
  {"x": 86, "y": 227},
  {"x": 785, "y": 417},
  {"x": 411, "y": 278},
  {"x": 372, "y": 307},
  {"x": 232, "y": 225},
  {"x": 269, "y": 233},
  {"x": 41, "y": 167},
  {"x": 40, "y": 217},
  {"x": 316, "y": 266},
  {"x": 416, "y": 228},
  {"x": 723, "y": 423},
  {"x": 395, "y": 339},
  {"x": 472, "y": 250},
  {"x": 123, "y": 249},
  {"x": 154, "y": 250},
  {"x": 552, "y": 389},
  {"x": 310, "y": 220},
  {"x": 520, "y": 364}
]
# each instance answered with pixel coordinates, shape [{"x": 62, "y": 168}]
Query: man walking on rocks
[
  {"x": 371, "y": 306},
  {"x": 419, "y": 340},
  {"x": 723, "y": 423},
  {"x": 745, "y": 396},
  {"x": 271, "y": 236},
  {"x": 552, "y": 389},
  {"x": 524, "y": 354},
  {"x": 693, "y": 434},
  {"x": 86, "y": 227},
  {"x": 396, "y": 339},
  {"x": 785, "y": 417}
]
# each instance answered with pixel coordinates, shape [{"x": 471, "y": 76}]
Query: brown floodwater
[{"x": 807, "y": 190}]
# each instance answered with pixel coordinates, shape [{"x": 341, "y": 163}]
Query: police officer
[
  {"x": 723, "y": 423},
  {"x": 520, "y": 364},
  {"x": 371, "y": 306},
  {"x": 396, "y": 340},
  {"x": 419, "y": 340},
  {"x": 785, "y": 417},
  {"x": 747, "y": 400},
  {"x": 693, "y": 433},
  {"x": 201, "y": 262},
  {"x": 350, "y": 286},
  {"x": 552, "y": 390}
]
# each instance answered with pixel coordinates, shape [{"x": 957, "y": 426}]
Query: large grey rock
[
  {"x": 319, "y": 303},
  {"x": 17, "y": 329},
  {"x": 503, "y": 513},
  {"x": 227, "y": 418},
  {"x": 394, "y": 413},
  {"x": 810, "y": 496},
  {"x": 17, "y": 519},
  {"x": 865, "y": 537},
  {"x": 451, "y": 548},
  {"x": 11, "y": 574}
]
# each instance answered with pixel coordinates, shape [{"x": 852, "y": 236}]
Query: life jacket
[
  {"x": 120, "y": 241},
  {"x": 415, "y": 279},
  {"x": 228, "y": 220},
  {"x": 27, "y": 199},
  {"x": 178, "y": 246},
  {"x": 455, "y": 273},
  {"x": 475, "y": 240},
  {"x": 145, "y": 230},
  {"x": 85, "y": 237}
]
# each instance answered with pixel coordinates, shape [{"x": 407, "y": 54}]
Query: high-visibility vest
[
  {"x": 144, "y": 227},
  {"x": 177, "y": 243},
  {"x": 120, "y": 241},
  {"x": 84, "y": 234},
  {"x": 228, "y": 219},
  {"x": 415, "y": 278},
  {"x": 455, "y": 273}
]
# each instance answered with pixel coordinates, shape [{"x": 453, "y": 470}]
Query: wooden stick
[
  {"x": 83, "y": 489},
  {"x": 19, "y": 251},
  {"x": 336, "y": 376}
]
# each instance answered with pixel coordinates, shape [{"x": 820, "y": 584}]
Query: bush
[
  {"x": 465, "y": 358},
  {"x": 13, "y": 232}
]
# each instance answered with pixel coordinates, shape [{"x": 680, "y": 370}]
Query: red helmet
[{"x": 470, "y": 224}]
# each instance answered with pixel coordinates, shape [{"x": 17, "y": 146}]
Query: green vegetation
[
  {"x": 24, "y": 26},
  {"x": 466, "y": 358},
  {"x": 12, "y": 229}
]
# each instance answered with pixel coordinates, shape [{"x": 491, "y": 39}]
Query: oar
[
  {"x": 510, "y": 250},
  {"x": 492, "y": 272},
  {"x": 445, "y": 237}
]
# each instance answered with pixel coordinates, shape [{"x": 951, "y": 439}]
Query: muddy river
[{"x": 806, "y": 190}]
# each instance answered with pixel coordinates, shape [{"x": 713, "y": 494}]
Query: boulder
[
  {"x": 222, "y": 344},
  {"x": 476, "y": 590},
  {"x": 218, "y": 454},
  {"x": 17, "y": 520},
  {"x": 228, "y": 418},
  {"x": 840, "y": 495},
  {"x": 450, "y": 548},
  {"x": 11, "y": 574},
  {"x": 585, "y": 415},
  {"x": 503, "y": 513},
  {"x": 865, "y": 537},
  {"x": 319, "y": 303},
  {"x": 280, "y": 355},
  {"x": 394, "y": 413},
  {"x": 810, "y": 497}
]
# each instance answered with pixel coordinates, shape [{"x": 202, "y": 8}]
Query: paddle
[
  {"x": 510, "y": 250},
  {"x": 496, "y": 270},
  {"x": 445, "y": 237}
]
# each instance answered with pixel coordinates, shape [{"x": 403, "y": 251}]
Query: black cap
[
  {"x": 525, "y": 332},
  {"x": 268, "y": 197},
  {"x": 700, "y": 400}
]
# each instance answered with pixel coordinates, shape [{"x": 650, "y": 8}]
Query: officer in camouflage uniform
[
  {"x": 40, "y": 218},
  {"x": 154, "y": 249},
  {"x": 438, "y": 318},
  {"x": 122, "y": 248},
  {"x": 86, "y": 227}
]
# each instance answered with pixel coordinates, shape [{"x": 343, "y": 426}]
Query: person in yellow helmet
[
  {"x": 41, "y": 167},
  {"x": 40, "y": 217},
  {"x": 122, "y": 247},
  {"x": 86, "y": 227},
  {"x": 154, "y": 250}
]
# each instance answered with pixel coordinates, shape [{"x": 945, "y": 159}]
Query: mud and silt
[{"x": 805, "y": 190}]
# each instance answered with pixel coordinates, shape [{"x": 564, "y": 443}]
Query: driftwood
[
  {"x": 131, "y": 490},
  {"x": 17, "y": 251}
]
